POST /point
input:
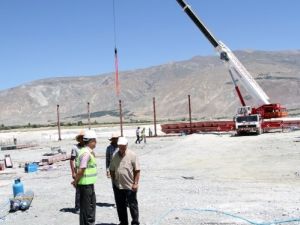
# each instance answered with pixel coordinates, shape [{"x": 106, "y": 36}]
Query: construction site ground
[{"x": 182, "y": 178}]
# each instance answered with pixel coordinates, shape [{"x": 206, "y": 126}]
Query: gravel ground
[{"x": 253, "y": 177}]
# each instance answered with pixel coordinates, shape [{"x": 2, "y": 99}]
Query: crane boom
[
  {"x": 198, "y": 23},
  {"x": 236, "y": 68}
]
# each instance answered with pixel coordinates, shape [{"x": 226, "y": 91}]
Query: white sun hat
[
  {"x": 114, "y": 135},
  {"x": 122, "y": 141},
  {"x": 89, "y": 134}
]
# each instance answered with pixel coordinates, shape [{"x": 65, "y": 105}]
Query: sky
[{"x": 56, "y": 38}]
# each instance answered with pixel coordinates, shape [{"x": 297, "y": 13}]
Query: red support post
[
  {"x": 121, "y": 117},
  {"x": 154, "y": 115},
  {"x": 89, "y": 115},
  {"x": 58, "y": 123},
  {"x": 190, "y": 113}
]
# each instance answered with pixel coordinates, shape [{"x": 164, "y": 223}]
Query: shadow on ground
[
  {"x": 68, "y": 210},
  {"x": 103, "y": 204},
  {"x": 106, "y": 224}
]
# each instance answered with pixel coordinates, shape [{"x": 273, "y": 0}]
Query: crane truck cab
[{"x": 246, "y": 122}]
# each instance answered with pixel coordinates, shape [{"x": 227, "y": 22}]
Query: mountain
[{"x": 204, "y": 78}]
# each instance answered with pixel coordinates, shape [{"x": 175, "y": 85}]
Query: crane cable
[{"x": 117, "y": 83}]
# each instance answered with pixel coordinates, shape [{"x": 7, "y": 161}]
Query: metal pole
[
  {"x": 154, "y": 112},
  {"x": 190, "y": 113},
  {"x": 121, "y": 117},
  {"x": 58, "y": 124},
  {"x": 89, "y": 115}
]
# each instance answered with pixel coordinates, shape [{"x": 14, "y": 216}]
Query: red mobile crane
[
  {"x": 264, "y": 116},
  {"x": 238, "y": 73}
]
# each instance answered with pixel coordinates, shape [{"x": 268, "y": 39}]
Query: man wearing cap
[
  {"x": 86, "y": 178},
  {"x": 74, "y": 165},
  {"x": 125, "y": 173},
  {"x": 111, "y": 150}
]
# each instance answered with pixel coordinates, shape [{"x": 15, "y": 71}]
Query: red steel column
[
  {"x": 154, "y": 115},
  {"x": 58, "y": 123},
  {"x": 121, "y": 117},
  {"x": 89, "y": 115},
  {"x": 190, "y": 113}
]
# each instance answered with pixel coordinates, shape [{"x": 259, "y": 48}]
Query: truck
[
  {"x": 252, "y": 119},
  {"x": 246, "y": 122}
]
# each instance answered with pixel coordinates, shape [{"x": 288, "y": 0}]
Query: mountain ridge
[{"x": 205, "y": 78}]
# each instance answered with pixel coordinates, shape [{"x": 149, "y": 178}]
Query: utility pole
[
  {"x": 190, "y": 113},
  {"x": 121, "y": 117},
  {"x": 58, "y": 123},
  {"x": 89, "y": 115},
  {"x": 154, "y": 115}
]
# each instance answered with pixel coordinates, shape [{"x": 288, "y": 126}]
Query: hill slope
[{"x": 204, "y": 78}]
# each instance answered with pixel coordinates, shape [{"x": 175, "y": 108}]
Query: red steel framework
[{"x": 226, "y": 126}]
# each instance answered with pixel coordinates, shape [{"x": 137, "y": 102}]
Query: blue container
[
  {"x": 31, "y": 167},
  {"x": 18, "y": 187}
]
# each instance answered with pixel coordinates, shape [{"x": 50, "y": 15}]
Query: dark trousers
[
  {"x": 87, "y": 204},
  {"x": 124, "y": 198},
  {"x": 138, "y": 140},
  {"x": 77, "y": 198}
]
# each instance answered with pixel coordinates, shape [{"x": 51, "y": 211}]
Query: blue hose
[
  {"x": 2, "y": 208},
  {"x": 2, "y": 218},
  {"x": 275, "y": 222},
  {"x": 3, "y": 205}
]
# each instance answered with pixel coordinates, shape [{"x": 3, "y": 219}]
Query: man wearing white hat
[
  {"x": 85, "y": 179},
  {"x": 111, "y": 150},
  {"x": 125, "y": 173}
]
